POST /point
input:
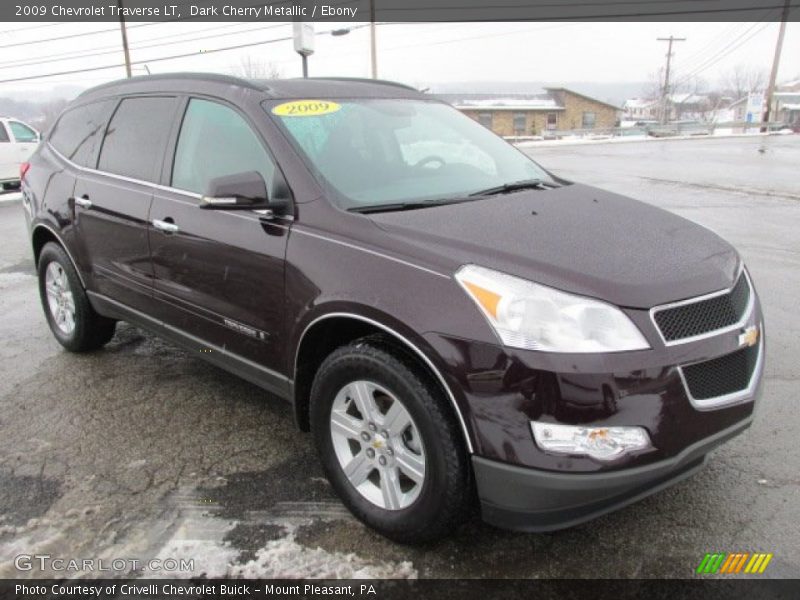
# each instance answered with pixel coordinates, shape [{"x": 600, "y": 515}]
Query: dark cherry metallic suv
[{"x": 447, "y": 318}]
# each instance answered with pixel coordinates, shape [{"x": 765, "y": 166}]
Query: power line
[
  {"x": 726, "y": 51},
  {"x": 110, "y": 30},
  {"x": 115, "y": 48},
  {"x": 23, "y": 29},
  {"x": 152, "y": 60}
]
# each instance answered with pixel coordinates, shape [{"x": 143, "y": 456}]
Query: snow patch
[{"x": 285, "y": 558}]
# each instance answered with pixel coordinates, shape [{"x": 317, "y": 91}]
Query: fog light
[{"x": 602, "y": 443}]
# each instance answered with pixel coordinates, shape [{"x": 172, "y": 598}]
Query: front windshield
[{"x": 376, "y": 152}]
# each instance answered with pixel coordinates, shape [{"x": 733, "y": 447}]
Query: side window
[
  {"x": 78, "y": 132},
  {"x": 22, "y": 133},
  {"x": 216, "y": 141},
  {"x": 136, "y": 137},
  {"x": 3, "y": 133}
]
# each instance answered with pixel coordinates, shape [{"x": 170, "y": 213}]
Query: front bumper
[{"x": 532, "y": 500}]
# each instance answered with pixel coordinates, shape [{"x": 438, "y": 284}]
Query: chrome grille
[{"x": 691, "y": 319}]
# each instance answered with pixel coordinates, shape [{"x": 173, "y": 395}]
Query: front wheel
[
  {"x": 72, "y": 319},
  {"x": 389, "y": 443}
]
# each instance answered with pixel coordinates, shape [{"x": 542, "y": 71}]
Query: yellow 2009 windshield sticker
[{"x": 305, "y": 108}]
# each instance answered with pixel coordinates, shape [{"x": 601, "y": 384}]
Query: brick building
[{"x": 557, "y": 109}]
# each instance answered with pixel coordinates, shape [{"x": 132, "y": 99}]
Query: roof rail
[
  {"x": 366, "y": 80},
  {"x": 217, "y": 77}
]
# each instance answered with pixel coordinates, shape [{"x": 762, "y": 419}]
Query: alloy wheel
[
  {"x": 60, "y": 300},
  {"x": 378, "y": 445}
]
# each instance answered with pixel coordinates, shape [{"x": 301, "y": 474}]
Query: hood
[{"x": 575, "y": 238}]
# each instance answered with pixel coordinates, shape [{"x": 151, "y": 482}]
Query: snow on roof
[
  {"x": 532, "y": 103},
  {"x": 639, "y": 103},
  {"x": 687, "y": 98}
]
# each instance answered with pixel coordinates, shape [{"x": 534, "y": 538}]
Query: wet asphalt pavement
[{"x": 141, "y": 450}]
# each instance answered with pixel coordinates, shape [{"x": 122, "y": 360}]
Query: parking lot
[{"x": 141, "y": 450}]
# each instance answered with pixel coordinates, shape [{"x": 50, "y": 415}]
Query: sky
[{"x": 557, "y": 53}]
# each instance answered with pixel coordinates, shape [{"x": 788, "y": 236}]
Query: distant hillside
[{"x": 614, "y": 93}]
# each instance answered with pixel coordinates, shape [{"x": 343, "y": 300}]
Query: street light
[{"x": 303, "y": 34}]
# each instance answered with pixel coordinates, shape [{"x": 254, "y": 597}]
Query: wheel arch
[
  {"x": 41, "y": 234},
  {"x": 331, "y": 330}
]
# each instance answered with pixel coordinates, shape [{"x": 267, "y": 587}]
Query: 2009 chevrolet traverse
[{"x": 449, "y": 320}]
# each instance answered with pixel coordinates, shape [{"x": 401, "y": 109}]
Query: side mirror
[{"x": 240, "y": 191}]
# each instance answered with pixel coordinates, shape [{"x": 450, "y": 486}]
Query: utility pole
[
  {"x": 124, "y": 40},
  {"x": 373, "y": 53},
  {"x": 665, "y": 90},
  {"x": 776, "y": 61}
]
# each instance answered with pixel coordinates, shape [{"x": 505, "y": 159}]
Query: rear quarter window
[
  {"x": 78, "y": 132},
  {"x": 136, "y": 137}
]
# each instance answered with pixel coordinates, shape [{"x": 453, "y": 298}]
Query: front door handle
[
  {"x": 165, "y": 226},
  {"x": 83, "y": 201}
]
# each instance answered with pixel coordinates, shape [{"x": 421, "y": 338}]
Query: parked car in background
[{"x": 18, "y": 140}]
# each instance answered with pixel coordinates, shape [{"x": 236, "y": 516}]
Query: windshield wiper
[
  {"x": 524, "y": 184},
  {"x": 396, "y": 206}
]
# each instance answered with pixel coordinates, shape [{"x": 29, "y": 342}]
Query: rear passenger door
[
  {"x": 219, "y": 273},
  {"x": 112, "y": 202}
]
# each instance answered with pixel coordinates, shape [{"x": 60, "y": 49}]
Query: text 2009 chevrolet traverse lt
[{"x": 448, "y": 319}]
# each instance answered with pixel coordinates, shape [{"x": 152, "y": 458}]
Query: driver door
[{"x": 218, "y": 274}]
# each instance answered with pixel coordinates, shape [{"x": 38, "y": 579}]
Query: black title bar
[{"x": 398, "y": 10}]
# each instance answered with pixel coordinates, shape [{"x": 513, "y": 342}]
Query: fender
[{"x": 405, "y": 341}]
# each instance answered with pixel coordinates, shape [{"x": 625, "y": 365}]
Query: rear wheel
[
  {"x": 71, "y": 318},
  {"x": 389, "y": 443}
]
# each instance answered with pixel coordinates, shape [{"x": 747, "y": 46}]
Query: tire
[
  {"x": 426, "y": 463},
  {"x": 71, "y": 318}
]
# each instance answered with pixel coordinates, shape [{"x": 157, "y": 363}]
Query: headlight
[
  {"x": 536, "y": 317},
  {"x": 601, "y": 443}
]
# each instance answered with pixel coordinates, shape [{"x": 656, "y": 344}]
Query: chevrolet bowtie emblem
[{"x": 749, "y": 337}]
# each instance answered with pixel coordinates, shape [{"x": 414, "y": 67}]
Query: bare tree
[
  {"x": 256, "y": 68},
  {"x": 743, "y": 80}
]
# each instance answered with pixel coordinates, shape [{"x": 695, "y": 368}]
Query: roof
[
  {"x": 540, "y": 102},
  {"x": 332, "y": 87},
  {"x": 687, "y": 98},
  {"x": 574, "y": 93},
  {"x": 639, "y": 103},
  {"x": 549, "y": 101}
]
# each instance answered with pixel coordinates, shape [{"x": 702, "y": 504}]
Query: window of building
[
  {"x": 485, "y": 119},
  {"x": 552, "y": 120},
  {"x": 78, "y": 132},
  {"x": 216, "y": 141},
  {"x": 136, "y": 137},
  {"x": 520, "y": 121},
  {"x": 588, "y": 120}
]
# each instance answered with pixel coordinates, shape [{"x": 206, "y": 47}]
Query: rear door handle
[
  {"x": 83, "y": 201},
  {"x": 165, "y": 226}
]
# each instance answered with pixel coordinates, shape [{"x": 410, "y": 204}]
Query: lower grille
[{"x": 723, "y": 375}]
